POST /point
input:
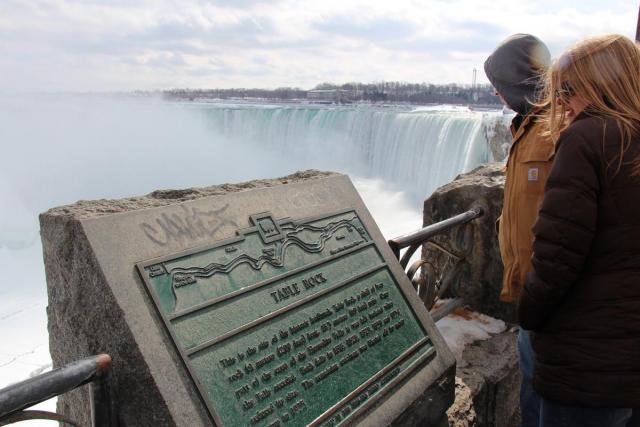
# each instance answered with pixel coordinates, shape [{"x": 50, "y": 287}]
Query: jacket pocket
[{"x": 534, "y": 165}]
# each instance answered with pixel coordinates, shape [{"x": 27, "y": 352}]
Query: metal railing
[
  {"x": 16, "y": 398},
  {"x": 429, "y": 285}
]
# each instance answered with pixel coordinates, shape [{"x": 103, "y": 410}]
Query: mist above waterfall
[{"x": 59, "y": 149}]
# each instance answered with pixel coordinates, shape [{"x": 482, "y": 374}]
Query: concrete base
[
  {"x": 94, "y": 252},
  {"x": 488, "y": 385}
]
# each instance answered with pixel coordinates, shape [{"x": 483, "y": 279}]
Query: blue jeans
[
  {"x": 529, "y": 399},
  {"x": 553, "y": 414}
]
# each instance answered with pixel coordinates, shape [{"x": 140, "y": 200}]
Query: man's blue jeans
[
  {"x": 556, "y": 415},
  {"x": 529, "y": 399}
]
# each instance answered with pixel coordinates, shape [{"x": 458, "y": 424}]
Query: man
[{"x": 515, "y": 70}]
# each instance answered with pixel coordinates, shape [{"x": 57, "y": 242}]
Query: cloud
[
  {"x": 65, "y": 45},
  {"x": 376, "y": 30},
  {"x": 243, "y": 4}
]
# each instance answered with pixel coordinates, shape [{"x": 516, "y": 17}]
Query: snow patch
[{"x": 463, "y": 327}]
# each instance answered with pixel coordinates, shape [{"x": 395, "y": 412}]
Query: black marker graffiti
[{"x": 190, "y": 224}]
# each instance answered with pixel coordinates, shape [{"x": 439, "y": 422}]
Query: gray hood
[{"x": 515, "y": 67}]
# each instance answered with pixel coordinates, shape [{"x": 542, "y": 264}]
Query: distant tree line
[
  {"x": 379, "y": 92},
  {"x": 284, "y": 93}
]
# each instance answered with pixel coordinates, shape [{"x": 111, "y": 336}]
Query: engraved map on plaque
[{"x": 292, "y": 322}]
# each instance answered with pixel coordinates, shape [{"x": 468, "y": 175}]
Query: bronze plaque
[{"x": 291, "y": 322}]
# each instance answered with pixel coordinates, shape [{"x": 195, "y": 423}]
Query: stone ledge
[
  {"x": 94, "y": 208},
  {"x": 488, "y": 384}
]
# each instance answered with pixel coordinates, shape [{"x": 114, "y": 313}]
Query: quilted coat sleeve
[{"x": 564, "y": 230}]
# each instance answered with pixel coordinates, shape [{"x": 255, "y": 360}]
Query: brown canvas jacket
[{"x": 530, "y": 160}]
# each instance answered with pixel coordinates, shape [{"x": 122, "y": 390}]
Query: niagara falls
[{"x": 258, "y": 166}]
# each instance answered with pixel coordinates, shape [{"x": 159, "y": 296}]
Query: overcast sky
[{"x": 112, "y": 45}]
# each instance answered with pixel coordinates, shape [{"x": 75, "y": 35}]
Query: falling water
[{"x": 416, "y": 150}]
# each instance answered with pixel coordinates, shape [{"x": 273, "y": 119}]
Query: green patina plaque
[{"x": 292, "y": 322}]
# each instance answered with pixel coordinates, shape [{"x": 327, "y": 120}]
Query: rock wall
[
  {"x": 498, "y": 134},
  {"x": 488, "y": 384},
  {"x": 478, "y": 281}
]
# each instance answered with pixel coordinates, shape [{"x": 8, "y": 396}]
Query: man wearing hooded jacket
[{"x": 515, "y": 69}]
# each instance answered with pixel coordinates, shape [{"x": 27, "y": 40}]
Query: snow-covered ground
[
  {"x": 24, "y": 342},
  {"x": 463, "y": 327}
]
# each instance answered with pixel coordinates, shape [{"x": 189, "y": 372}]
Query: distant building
[{"x": 332, "y": 95}]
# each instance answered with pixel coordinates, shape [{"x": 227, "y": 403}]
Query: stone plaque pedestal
[{"x": 268, "y": 303}]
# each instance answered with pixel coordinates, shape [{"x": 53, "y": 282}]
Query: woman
[{"x": 582, "y": 299}]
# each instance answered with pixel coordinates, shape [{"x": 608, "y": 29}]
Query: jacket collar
[
  {"x": 525, "y": 123},
  {"x": 587, "y": 112},
  {"x": 520, "y": 124}
]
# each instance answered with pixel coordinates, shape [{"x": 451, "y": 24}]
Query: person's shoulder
[
  {"x": 589, "y": 126},
  {"x": 586, "y": 130},
  {"x": 586, "y": 135}
]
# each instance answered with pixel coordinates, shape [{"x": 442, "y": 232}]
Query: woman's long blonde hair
[{"x": 605, "y": 72}]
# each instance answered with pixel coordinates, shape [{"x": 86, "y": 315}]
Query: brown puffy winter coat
[
  {"x": 529, "y": 164},
  {"x": 583, "y": 297}
]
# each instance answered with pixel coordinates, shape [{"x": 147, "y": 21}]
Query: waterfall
[{"x": 416, "y": 150}]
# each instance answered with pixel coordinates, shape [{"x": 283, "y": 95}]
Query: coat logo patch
[{"x": 533, "y": 174}]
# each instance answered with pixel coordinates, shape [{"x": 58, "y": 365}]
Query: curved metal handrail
[
  {"x": 415, "y": 239},
  {"x": 430, "y": 288},
  {"x": 15, "y": 398}
]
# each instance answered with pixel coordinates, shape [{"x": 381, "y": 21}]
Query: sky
[{"x": 124, "y": 45}]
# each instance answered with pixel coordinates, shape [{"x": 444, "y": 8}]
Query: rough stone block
[
  {"x": 124, "y": 277},
  {"x": 488, "y": 384},
  {"x": 479, "y": 277}
]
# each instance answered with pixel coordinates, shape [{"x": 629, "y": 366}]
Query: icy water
[{"x": 59, "y": 149}]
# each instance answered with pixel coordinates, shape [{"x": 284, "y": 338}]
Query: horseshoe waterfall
[{"x": 416, "y": 150}]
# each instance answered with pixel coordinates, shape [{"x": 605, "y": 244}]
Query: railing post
[{"x": 103, "y": 404}]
